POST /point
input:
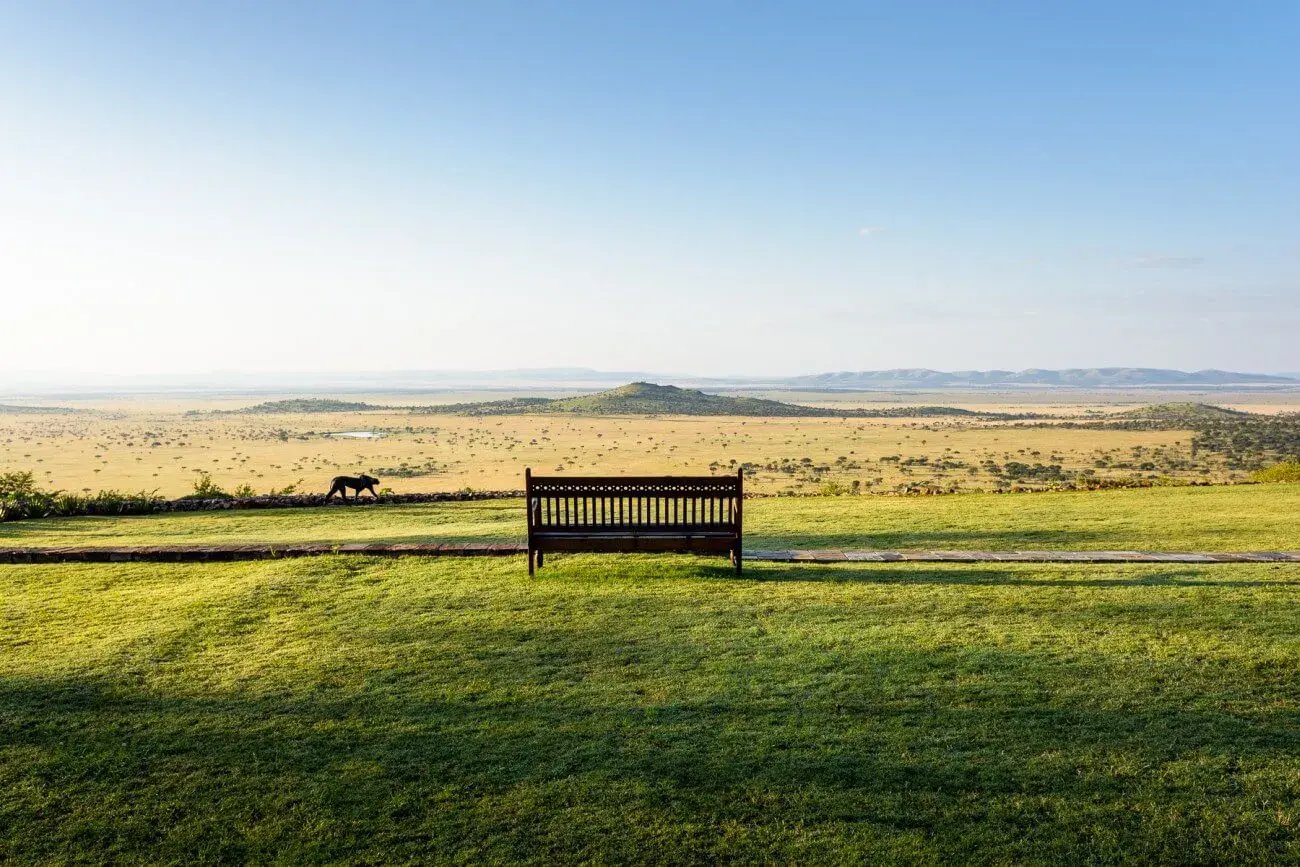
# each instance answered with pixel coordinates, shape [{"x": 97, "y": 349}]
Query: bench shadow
[{"x": 933, "y": 539}]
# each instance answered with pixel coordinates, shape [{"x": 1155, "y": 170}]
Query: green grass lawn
[
  {"x": 1258, "y": 517},
  {"x": 651, "y": 709}
]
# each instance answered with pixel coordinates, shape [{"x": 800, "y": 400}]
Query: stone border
[
  {"x": 300, "y": 501},
  {"x": 849, "y": 556},
  {"x": 39, "y": 508},
  {"x": 227, "y": 553}
]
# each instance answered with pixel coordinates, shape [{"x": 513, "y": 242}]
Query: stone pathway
[
  {"x": 219, "y": 553},
  {"x": 841, "y": 556}
]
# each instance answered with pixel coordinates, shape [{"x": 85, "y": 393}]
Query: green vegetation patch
[
  {"x": 306, "y": 405},
  {"x": 1254, "y": 442},
  {"x": 15, "y": 409},
  {"x": 1287, "y": 471},
  {"x": 1244, "y": 440}
]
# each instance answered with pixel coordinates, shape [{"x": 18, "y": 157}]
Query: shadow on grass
[
  {"x": 505, "y": 765},
  {"x": 1024, "y": 575},
  {"x": 927, "y": 539},
  {"x": 1100, "y": 575}
]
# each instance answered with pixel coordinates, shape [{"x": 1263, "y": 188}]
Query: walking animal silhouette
[{"x": 340, "y": 484}]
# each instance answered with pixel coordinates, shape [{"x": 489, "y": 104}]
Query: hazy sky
[{"x": 709, "y": 187}]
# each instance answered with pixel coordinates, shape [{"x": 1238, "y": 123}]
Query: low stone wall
[
  {"x": 314, "y": 500},
  {"x": 62, "y": 505},
  {"x": 229, "y": 553}
]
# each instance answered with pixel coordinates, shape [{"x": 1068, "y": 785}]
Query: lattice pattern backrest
[
  {"x": 613, "y": 503},
  {"x": 626, "y": 511}
]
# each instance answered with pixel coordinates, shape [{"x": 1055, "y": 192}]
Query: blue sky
[{"x": 695, "y": 187}]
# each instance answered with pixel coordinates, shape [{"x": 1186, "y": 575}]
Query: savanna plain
[
  {"x": 167, "y": 443},
  {"x": 651, "y": 709}
]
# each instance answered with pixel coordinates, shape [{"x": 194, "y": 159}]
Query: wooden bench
[{"x": 631, "y": 514}]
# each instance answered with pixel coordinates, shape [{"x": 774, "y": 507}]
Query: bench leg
[
  {"x": 530, "y": 563},
  {"x": 735, "y": 558}
]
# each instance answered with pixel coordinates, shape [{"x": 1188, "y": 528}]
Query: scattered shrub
[
  {"x": 21, "y": 499},
  {"x": 206, "y": 489},
  {"x": 1286, "y": 471},
  {"x": 17, "y": 484}
]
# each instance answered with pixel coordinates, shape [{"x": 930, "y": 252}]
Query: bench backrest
[{"x": 619, "y": 503}]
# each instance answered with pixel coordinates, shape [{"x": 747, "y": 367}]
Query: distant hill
[
  {"x": 11, "y": 409},
  {"x": 637, "y": 398},
  {"x": 305, "y": 405},
  {"x": 1093, "y": 377},
  {"x": 1175, "y": 416},
  {"x": 1186, "y": 410},
  {"x": 645, "y": 398}
]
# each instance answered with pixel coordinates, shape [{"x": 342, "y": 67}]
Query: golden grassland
[{"x": 162, "y": 444}]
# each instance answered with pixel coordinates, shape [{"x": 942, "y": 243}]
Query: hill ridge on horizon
[
  {"x": 1071, "y": 376},
  {"x": 648, "y": 398}
]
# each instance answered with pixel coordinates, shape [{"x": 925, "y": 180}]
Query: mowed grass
[
  {"x": 648, "y": 709},
  {"x": 1254, "y": 517}
]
